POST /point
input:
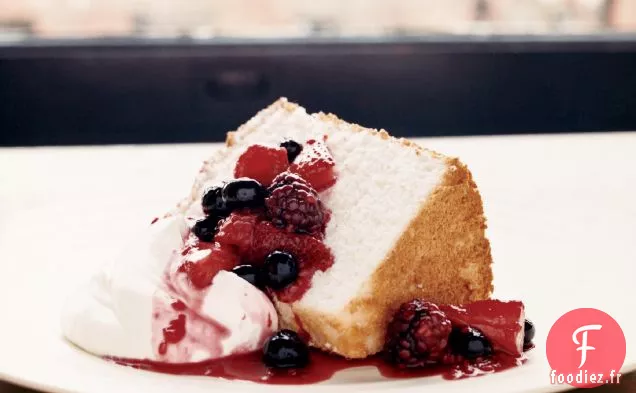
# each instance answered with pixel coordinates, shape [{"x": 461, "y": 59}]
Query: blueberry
[
  {"x": 213, "y": 203},
  {"x": 250, "y": 273},
  {"x": 285, "y": 350},
  {"x": 293, "y": 149},
  {"x": 281, "y": 269},
  {"x": 528, "y": 330},
  {"x": 469, "y": 342},
  {"x": 205, "y": 228},
  {"x": 243, "y": 192}
]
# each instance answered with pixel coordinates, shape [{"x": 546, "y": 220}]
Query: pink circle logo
[{"x": 585, "y": 348}]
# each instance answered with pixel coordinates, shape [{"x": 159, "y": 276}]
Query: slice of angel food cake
[{"x": 306, "y": 231}]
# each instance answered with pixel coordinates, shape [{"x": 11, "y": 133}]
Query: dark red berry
[
  {"x": 417, "y": 335},
  {"x": 285, "y": 350},
  {"x": 293, "y": 205},
  {"x": 469, "y": 343},
  {"x": 293, "y": 149}
]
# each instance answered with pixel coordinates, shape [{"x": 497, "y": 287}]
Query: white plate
[{"x": 562, "y": 223}]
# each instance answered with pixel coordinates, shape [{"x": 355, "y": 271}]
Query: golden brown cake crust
[{"x": 443, "y": 256}]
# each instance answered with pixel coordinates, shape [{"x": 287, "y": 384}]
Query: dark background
[{"x": 106, "y": 92}]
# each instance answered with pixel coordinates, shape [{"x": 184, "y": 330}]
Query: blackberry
[
  {"x": 294, "y": 205},
  {"x": 417, "y": 335}
]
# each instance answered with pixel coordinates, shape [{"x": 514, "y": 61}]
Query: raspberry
[
  {"x": 287, "y": 177},
  {"x": 261, "y": 163},
  {"x": 237, "y": 230},
  {"x": 201, "y": 264},
  {"x": 295, "y": 206},
  {"x": 311, "y": 254},
  {"x": 315, "y": 164},
  {"x": 417, "y": 335}
]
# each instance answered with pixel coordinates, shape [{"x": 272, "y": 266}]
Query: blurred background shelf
[
  {"x": 114, "y": 71},
  {"x": 106, "y": 91}
]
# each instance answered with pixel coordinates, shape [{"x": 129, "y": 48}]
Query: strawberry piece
[
  {"x": 315, "y": 164},
  {"x": 501, "y": 322},
  {"x": 261, "y": 163},
  {"x": 203, "y": 261},
  {"x": 237, "y": 230},
  {"x": 312, "y": 255}
]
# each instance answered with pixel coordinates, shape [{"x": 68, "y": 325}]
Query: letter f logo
[{"x": 584, "y": 347}]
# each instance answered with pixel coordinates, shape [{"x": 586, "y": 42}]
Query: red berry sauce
[
  {"x": 173, "y": 333},
  {"x": 248, "y": 236},
  {"x": 249, "y": 367},
  {"x": 178, "y": 326},
  {"x": 501, "y": 322}
]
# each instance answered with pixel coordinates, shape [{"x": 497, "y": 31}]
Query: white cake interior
[{"x": 380, "y": 188}]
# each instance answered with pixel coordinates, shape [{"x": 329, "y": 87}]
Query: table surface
[{"x": 51, "y": 180}]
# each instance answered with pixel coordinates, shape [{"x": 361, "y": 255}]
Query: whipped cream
[{"x": 125, "y": 310}]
